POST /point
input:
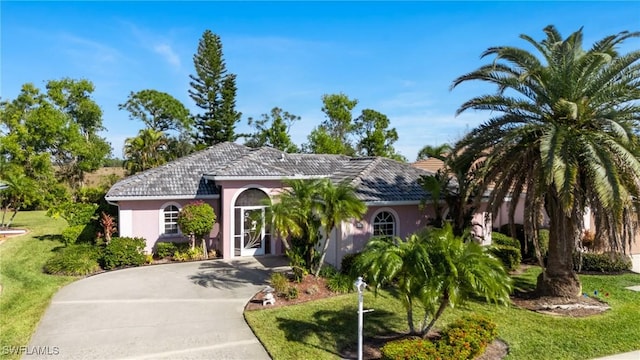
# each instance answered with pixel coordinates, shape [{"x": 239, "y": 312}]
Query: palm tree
[
  {"x": 565, "y": 135},
  {"x": 336, "y": 203},
  {"x": 436, "y": 269},
  {"x": 439, "y": 152},
  {"x": 145, "y": 151},
  {"x": 308, "y": 206}
]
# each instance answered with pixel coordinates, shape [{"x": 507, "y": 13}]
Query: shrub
[
  {"x": 279, "y": 282},
  {"x": 71, "y": 234},
  {"x": 292, "y": 293},
  {"x": 346, "y": 265},
  {"x": 340, "y": 283},
  {"x": 74, "y": 213},
  {"x": 195, "y": 253},
  {"x": 197, "y": 218},
  {"x": 409, "y": 349},
  {"x": 509, "y": 256},
  {"x": 124, "y": 251},
  {"x": 610, "y": 262},
  {"x": 165, "y": 249},
  {"x": 327, "y": 271},
  {"x": 180, "y": 256},
  {"x": 74, "y": 260},
  {"x": 467, "y": 338},
  {"x": 504, "y": 240},
  {"x": 543, "y": 239}
]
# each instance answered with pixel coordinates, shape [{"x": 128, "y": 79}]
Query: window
[
  {"x": 171, "y": 219},
  {"x": 384, "y": 224}
]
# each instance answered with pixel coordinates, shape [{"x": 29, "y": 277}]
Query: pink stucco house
[{"x": 234, "y": 180}]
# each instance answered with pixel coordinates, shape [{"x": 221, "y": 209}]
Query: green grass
[
  {"x": 26, "y": 290},
  {"x": 320, "y": 329}
]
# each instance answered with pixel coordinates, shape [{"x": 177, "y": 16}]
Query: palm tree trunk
[
  {"x": 412, "y": 329},
  {"x": 325, "y": 248},
  {"x": 559, "y": 278},
  {"x": 441, "y": 308},
  {"x": 15, "y": 212}
]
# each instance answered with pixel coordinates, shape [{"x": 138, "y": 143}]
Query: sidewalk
[{"x": 634, "y": 355}]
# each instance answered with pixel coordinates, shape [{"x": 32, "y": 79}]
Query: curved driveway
[{"x": 174, "y": 311}]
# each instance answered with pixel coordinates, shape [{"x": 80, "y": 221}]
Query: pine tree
[{"x": 214, "y": 91}]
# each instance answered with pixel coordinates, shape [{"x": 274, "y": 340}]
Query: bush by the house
[
  {"x": 610, "y": 262},
  {"x": 279, "y": 282},
  {"x": 74, "y": 260},
  {"x": 71, "y": 234},
  {"x": 463, "y": 339},
  {"x": 327, "y": 271},
  {"x": 165, "y": 249},
  {"x": 504, "y": 240},
  {"x": 292, "y": 293},
  {"x": 340, "y": 283},
  {"x": 467, "y": 338},
  {"x": 509, "y": 256},
  {"x": 409, "y": 349},
  {"x": 124, "y": 251},
  {"x": 347, "y": 263}
]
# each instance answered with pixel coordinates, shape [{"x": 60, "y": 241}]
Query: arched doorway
[{"x": 251, "y": 234}]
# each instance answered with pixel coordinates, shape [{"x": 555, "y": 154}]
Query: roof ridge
[
  {"x": 367, "y": 169},
  {"x": 253, "y": 152}
]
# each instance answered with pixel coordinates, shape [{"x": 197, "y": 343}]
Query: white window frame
[
  {"x": 396, "y": 220},
  {"x": 162, "y": 219}
]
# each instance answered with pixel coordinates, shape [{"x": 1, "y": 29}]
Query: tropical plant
[
  {"x": 145, "y": 151},
  {"x": 565, "y": 134},
  {"x": 197, "y": 219},
  {"x": 307, "y": 206},
  {"x": 436, "y": 269}
]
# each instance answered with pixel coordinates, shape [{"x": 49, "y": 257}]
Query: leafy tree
[
  {"x": 332, "y": 136},
  {"x": 435, "y": 269},
  {"x": 564, "y": 134},
  {"x": 307, "y": 206},
  {"x": 273, "y": 130},
  {"x": 213, "y": 91},
  {"x": 145, "y": 151},
  {"x": 376, "y": 139},
  {"x": 197, "y": 219},
  {"x": 20, "y": 191},
  {"x": 158, "y": 111}
]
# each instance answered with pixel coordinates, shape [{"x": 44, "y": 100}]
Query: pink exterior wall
[
  {"x": 230, "y": 191},
  {"x": 145, "y": 221},
  {"x": 354, "y": 234}
]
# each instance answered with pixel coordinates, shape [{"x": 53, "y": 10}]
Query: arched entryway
[{"x": 251, "y": 234}]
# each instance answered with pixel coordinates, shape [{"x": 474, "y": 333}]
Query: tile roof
[{"x": 376, "y": 179}]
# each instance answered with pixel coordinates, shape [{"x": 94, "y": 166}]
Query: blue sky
[{"x": 395, "y": 57}]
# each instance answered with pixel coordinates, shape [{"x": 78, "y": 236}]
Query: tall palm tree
[
  {"x": 564, "y": 134},
  {"x": 145, "y": 151},
  {"x": 336, "y": 203},
  {"x": 436, "y": 269}
]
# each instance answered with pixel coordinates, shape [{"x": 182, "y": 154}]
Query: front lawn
[
  {"x": 321, "y": 329},
  {"x": 26, "y": 290}
]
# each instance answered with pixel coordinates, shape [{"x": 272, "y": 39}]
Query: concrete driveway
[{"x": 174, "y": 311}]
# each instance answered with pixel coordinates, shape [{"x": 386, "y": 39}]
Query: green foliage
[
  {"x": 74, "y": 213},
  {"x": 71, "y": 234},
  {"x": 165, "y": 249},
  {"x": 346, "y": 265},
  {"x": 546, "y": 144},
  {"x": 509, "y": 256},
  {"x": 610, "y": 262},
  {"x": 291, "y": 293},
  {"x": 74, "y": 260},
  {"x": 275, "y": 135},
  {"x": 327, "y": 271},
  {"x": 332, "y": 135},
  {"x": 410, "y": 349},
  {"x": 467, "y": 338},
  {"x": 279, "y": 282},
  {"x": 157, "y": 110},
  {"x": 145, "y": 151},
  {"x": 195, "y": 253},
  {"x": 504, "y": 240},
  {"x": 197, "y": 218},
  {"x": 213, "y": 91},
  {"x": 375, "y": 137},
  {"x": 340, "y": 283},
  {"x": 124, "y": 251},
  {"x": 463, "y": 339},
  {"x": 543, "y": 240},
  {"x": 180, "y": 255}
]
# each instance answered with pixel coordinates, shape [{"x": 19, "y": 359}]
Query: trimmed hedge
[
  {"x": 165, "y": 249},
  {"x": 510, "y": 256},
  {"x": 124, "y": 251},
  {"x": 605, "y": 263},
  {"x": 504, "y": 240},
  {"x": 463, "y": 339},
  {"x": 74, "y": 260}
]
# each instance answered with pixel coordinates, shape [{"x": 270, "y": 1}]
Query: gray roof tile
[{"x": 375, "y": 179}]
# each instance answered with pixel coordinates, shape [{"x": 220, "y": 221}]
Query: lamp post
[{"x": 360, "y": 285}]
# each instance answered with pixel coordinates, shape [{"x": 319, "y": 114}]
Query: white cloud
[{"x": 169, "y": 55}]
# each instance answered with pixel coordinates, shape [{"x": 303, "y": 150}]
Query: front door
[{"x": 252, "y": 231}]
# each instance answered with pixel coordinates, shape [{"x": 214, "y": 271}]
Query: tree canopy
[{"x": 564, "y": 133}]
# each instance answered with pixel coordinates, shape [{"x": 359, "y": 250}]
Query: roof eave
[{"x": 161, "y": 197}]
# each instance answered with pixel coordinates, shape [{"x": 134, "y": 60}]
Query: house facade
[{"x": 235, "y": 180}]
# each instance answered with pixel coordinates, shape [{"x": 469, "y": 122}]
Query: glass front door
[{"x": 252, "y": 231}]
